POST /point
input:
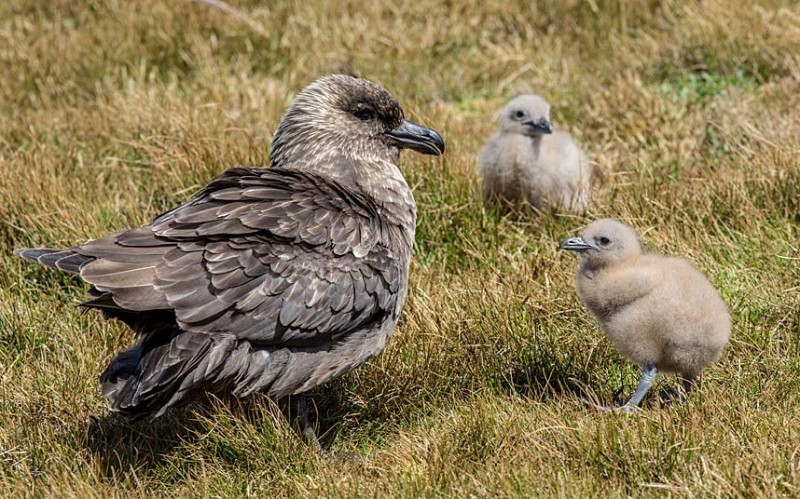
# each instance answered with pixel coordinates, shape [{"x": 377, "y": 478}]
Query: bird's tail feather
[
  {"x": 122, "y": 367},
  {"x": 146, "y": 380},
  {"x": 62, "y": 259}
]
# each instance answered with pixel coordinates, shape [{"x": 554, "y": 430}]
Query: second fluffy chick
[
  {"x": 659, "y": 311},
  {"x": 525, "y": 161}
]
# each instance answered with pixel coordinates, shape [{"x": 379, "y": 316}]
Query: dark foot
[
  {"x": 671, "y": 396},
  {"x": 678, "y": 396},
  {"x": 301, "y": 413},
  {"x": 297, "y": 412}
]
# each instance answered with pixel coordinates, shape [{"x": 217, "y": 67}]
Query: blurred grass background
[{"x": 112, "y": 111}]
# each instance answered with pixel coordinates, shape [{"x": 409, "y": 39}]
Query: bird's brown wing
[{"x": 275, "y": 257}]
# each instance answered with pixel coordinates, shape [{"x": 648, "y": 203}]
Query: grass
[{"x": 114, "y": 111}]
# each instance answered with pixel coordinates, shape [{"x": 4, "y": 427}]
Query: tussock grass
[{"x": 115, "y": 111}]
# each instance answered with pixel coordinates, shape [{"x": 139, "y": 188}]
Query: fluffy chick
[
  {"x": 659, "y": 311},
  {"x": 525, "y": 161}
]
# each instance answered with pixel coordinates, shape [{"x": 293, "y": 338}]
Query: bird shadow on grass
[
  {"x": 352, "y": 417},
  {"x": 335, "y": 413},
  {"x": 222, "y": 428},
  {"x": 550, "y": 377},
  {"x": 123, "y": 446}
]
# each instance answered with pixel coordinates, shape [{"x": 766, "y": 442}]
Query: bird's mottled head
[
  {"x": 527, "y": 115},
  {"x": 340, "y": 116},
  {"x": 604, "y": 242}
]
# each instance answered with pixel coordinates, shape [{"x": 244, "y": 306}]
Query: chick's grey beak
[
  {"x": 542, "y": 125},
  {"x": 422, "y": 139},
  {"x": 576, "y": 244}
]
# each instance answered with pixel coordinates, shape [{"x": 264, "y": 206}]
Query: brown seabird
[{"x": 268, "y": 280}]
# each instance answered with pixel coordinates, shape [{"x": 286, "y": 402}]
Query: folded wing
[{"x": 272, "y": 256}]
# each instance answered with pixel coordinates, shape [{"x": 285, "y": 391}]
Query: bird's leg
[
  {"x": 688, "y": 382},
  {"x": 645, "y": 382},
  {"x": 672, "y": 395},
  {"x": 305, "y": 427},
  {"x": 301, "y": 414}
]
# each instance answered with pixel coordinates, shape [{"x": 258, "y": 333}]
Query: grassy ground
[{"x": 112, "y": 111}]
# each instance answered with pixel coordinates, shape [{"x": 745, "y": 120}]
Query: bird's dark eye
[
  {"x": 364, "y": 113},
  {"x": 604, "y": 241},
  {"x": 519, "y": 114}
]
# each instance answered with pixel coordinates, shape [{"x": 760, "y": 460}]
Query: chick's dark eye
[
  {"x": 604, "y": 241},
  {"x": 364, "y": 113},
  {"x": 519, "y": 114}
]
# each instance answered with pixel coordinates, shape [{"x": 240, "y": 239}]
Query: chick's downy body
[
  {"x": 527, "y": 162},
  {"x": 658, "y": 310}
]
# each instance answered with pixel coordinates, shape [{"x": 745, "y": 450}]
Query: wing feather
[{"x": 256, "y": 254}]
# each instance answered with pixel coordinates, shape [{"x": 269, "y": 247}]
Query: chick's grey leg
[{"x": 645, "y": 382}]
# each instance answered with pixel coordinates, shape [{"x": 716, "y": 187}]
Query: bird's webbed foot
[{"x": 649, "y": 374}]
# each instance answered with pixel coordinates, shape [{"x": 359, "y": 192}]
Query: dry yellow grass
[{"x": 113, "y": 111}]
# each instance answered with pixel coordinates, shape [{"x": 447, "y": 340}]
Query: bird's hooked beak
[
  {"x": 422, "y": 139},
  {"x": 576, "y": 244},
  {"x": 542, "y": 125}
]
